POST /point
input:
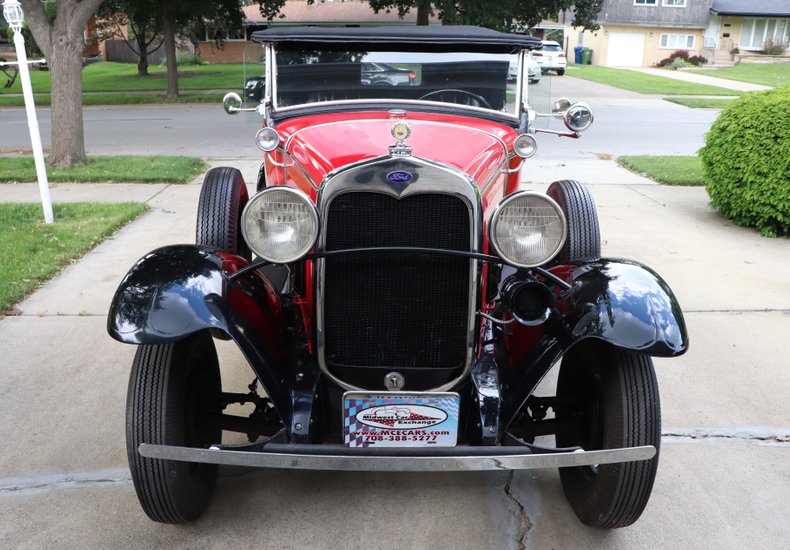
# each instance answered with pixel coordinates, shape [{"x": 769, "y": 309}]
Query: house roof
[
  {"x": 430, "y": 38},
  {"x": 356, "y": 12},
  {"x": 764, "y": 8}
]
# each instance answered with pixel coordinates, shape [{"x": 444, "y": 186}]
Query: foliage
[
  {"x": 681, "y": 58},
  {"x": 746, "y": 159},
  {"x": 774, "y": 47},
  {"x": 505, "y": 15},
  {"x": 645, "y": 83},
  {"x": 120, "y": 168},
  {"x": 34, "y": 252},
  {"x": 672, "y": 170},
  {"x": 139, "y": 17},
  {"x": 43, "y": 100}
]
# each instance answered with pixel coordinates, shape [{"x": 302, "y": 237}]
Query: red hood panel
[{"x": 324, "y": 143}]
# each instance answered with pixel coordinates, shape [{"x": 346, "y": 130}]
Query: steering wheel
[{"x": 453, "y": 91}]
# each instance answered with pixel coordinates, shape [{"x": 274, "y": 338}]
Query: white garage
[{"x": 626, "y": 49}]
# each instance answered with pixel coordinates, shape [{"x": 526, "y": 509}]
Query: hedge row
[{"x": 746, "y": 160}]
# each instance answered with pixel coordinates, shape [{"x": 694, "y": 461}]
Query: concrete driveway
[{"x": 724, "y": 474}]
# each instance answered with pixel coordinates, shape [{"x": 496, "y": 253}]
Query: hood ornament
[{"x": 401, "y": 132}]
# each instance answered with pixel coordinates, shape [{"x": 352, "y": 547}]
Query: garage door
[{"x": 626, "y": 49}]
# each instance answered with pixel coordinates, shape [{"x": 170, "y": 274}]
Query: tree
[
  {"x": 505, "y": 15},
  {"x": 140, "y": 18},
  {"x": 60, "y": 38},
  {"x": 181, "y": 16}
]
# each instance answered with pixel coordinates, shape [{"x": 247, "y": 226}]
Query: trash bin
[
  {"x": 586, "y": 56},
  {"x": 577, "y": 54}
]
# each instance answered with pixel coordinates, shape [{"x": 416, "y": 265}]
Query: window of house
[
  {"x": 677, "y": 41},
  {"x": 645, "y": 2},
  {"x": 754, "y": 32},
  {"x": 675, "y": 3}
]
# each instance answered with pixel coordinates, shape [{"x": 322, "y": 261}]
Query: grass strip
[
  {"x": 644, "y": 83},
  {"x": 767, "y": 74},
  {"x": 700, "y": 102},
  {"x": 122, "y": 77},
  {"x": 108, "y": 169},
  {"x": 44, "y": 100},
  {"x": 33, "y": 252},
  {"x": 672, "y": 170}
]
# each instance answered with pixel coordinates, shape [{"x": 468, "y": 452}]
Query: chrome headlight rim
[
  {"x": 495, "y": 218},
  {"x": 312, "y": 210}
]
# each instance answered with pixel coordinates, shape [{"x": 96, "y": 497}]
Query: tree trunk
[
  {"x": 169, "y": 32},
  {"x": 68, "y": 139},
  {"x": 423, "y": 11},
  {"x": 142, "y": 53}
]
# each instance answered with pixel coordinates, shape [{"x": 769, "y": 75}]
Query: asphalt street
[
  {"x": 626, "y": 123},
  {"x": 724, "y": 471}
]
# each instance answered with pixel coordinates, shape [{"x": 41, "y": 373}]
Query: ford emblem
[{"x": 399, "y": 176}]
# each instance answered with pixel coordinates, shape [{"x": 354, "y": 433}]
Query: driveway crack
[{"x": 520, "y": 513}]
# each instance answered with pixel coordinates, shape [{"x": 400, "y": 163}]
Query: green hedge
[{"x": 746, "y": 160}]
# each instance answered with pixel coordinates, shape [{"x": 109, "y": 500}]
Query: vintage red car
[{"x": 397, "y": 293}]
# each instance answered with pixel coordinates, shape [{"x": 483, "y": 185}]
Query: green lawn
[
  {"x": 672, "y": 170},
  {"x": 122, "y": 77},
  {"x": 768, "y": 74},
  {"x": 33, "y": 252},
  {"x": 42, "y": 100},
  {"x": 157, "y": 169},
  {"x": 644, "y": 83},
  {"x": 701, "y": 102}
]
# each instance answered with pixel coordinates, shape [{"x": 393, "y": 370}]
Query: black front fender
[{"x": 626, "y": 304}]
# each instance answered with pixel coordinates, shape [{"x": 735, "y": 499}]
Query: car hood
[{"x": 321, "y": 144}]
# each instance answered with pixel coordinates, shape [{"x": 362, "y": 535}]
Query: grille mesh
[{"x": 395, "y": 309}]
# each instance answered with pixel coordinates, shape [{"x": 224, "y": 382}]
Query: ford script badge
[{"x": 399, "y": 176}]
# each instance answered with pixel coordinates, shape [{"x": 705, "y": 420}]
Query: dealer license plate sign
[{"x": 400, "y": 419}]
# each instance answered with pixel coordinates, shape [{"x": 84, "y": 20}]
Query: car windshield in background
[
  {"x": 471, "y": 79},
  {"x": 551, "y": 48}
]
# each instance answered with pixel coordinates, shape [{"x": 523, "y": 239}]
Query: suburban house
[{"x": 640, "y": 33}]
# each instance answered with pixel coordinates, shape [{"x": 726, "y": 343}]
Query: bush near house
[
  {"x": 746, "y": 161},
  {"x": 681, "y": 58}
]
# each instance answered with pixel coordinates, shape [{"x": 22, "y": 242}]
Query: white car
[
  {"x": 551, "y": 57},
  {"x": 532, "y": 68}
]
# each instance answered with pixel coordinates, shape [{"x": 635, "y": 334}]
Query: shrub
[
  {"x": 746, "y": 161},
  {"x": 774, "y": 47},
  {"x": 681, "y": 58}
]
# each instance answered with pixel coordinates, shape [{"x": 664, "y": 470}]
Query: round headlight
[
  {"x": 280, "y": 224},
  {"x": 267, "y": 139},
  {"x": 525, "y": 146},
  {"x": 527, "y": 229}
]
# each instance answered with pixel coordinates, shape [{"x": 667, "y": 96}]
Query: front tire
[
  {"x": 173, "y": 400},
  {"x": 560, "y": 72},
  {"x": 616, "y": 399}
]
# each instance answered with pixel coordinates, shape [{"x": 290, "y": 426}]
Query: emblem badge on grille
[
  {"x": 394, "y": 381},
  {"x": 400, "y": 176}
]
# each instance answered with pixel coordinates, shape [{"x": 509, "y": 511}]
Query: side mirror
[
  {"x": 578, "y": 117},
  {"x": 560, "y": 106},
  {"x": 231, "y": 103}
]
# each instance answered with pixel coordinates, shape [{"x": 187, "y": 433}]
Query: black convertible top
[{"x": 438, "y": 38}]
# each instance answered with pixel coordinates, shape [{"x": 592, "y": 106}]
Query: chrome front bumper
[{"x": 338, "y": 457}]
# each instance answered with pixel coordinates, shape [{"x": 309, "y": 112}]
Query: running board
[{"x": 398, "y": 463}]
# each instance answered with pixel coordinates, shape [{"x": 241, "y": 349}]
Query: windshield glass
[{"x": 472, "y": 79}]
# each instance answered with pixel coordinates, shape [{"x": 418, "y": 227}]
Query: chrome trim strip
[
  {"x": 415, "y": 463},
  {"x": 433, "y": 178},
  {"x": 388, "y": 103}
]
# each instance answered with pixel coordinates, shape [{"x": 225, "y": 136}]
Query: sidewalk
[
  {"x": 702, "y": 79},
  {"x": 724, "y": 467}
]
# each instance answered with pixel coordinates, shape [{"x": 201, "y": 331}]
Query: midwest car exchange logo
[{"x": 401, "y": 417}]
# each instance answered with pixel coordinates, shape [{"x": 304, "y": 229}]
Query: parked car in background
[
  {"x": 551, "y": 57},
  {"x": 383, "y": 74},
  {"x": 396, "y": 291},
  {"x": 532, "y": 69},
  {"x": 254, "y": 88}
]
